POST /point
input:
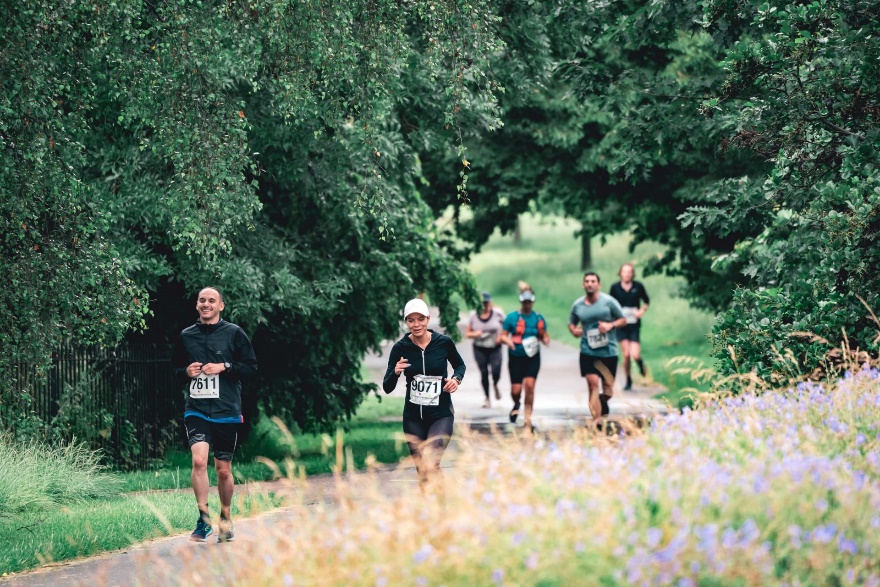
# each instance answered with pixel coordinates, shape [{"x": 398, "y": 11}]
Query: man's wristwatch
[
  {"x": 457, "y": 380},
  {"x": 228, "y": 366}
]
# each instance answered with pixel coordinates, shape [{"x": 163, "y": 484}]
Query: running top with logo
[
  {"x": 630, "y": 300},
  {"x": 216, "y": 398},
  {"x": 425, "y": 376},
  {"x": 490, "y": 327},
  {"x": 524, "y": 326},
  {"x": 605, "y": 309}
]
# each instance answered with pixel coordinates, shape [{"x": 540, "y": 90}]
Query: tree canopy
[
  {"x": 151, "y": 148},
  {"x": 298, "y": 153},
  {"x": 741, "y": 135}
]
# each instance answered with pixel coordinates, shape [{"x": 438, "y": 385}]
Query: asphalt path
[{"x": 560, "y": 403}]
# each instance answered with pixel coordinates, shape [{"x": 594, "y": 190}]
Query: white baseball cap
[
  {"x": 416, "y": 306},
  {"x": 527, "y": 296}
]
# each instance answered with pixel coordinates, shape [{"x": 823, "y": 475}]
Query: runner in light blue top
[{"x": 594, "y": 316}]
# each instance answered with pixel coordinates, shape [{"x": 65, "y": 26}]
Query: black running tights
[
  {"x": 488, "y": 359},
  {"x": 427, "y": 439}
]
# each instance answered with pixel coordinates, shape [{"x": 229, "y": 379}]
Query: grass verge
[
  {"x": 34, "y": 477},
  {"x": 96, "y": 526},
  {"x": 374, "y": 433}
]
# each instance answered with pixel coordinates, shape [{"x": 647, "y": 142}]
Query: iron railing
[{"x": 125, "y": 396}]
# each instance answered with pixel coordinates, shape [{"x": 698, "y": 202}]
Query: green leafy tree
[
  {"x": 603, "y": 125},
  {"x": 807, "y": 77},
  {"x": 150, "y": 148}
]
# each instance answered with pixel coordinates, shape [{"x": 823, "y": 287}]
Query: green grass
[
  {"x": 97, "y": 526},
  {"x": 35, "y": 477},
  {"x": 548, "y": 258},
  {"x": 374, "y": 432}
]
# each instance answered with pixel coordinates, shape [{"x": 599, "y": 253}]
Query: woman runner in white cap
[{"x": 422, "y": 356}]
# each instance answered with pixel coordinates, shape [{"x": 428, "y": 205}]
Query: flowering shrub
[{"x": 780, "y": 488}]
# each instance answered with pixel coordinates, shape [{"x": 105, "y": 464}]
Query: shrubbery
[{"x": 780, "y": 337}]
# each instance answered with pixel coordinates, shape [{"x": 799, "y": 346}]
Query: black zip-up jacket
[
  {"x": 223, "y": 342},
  {"x": 432, "y": 361}
]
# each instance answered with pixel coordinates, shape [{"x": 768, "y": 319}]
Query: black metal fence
[{"x": 122, "y": 399}]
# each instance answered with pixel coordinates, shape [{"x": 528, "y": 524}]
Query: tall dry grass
[{"x": 766, "y": 488}]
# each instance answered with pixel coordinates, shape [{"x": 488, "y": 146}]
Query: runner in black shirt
[
  {"x": 421, "y": 356},
  {"x": 630, "y": 294}
]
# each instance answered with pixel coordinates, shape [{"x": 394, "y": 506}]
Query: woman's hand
[
  {"x": 401, "y": 365},
  {"x": 451, "y": 385}
]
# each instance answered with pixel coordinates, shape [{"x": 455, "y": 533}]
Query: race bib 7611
[{"x": 205, "y": 386}]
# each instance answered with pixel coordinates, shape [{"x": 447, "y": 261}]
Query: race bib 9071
[
  {"x": 425, "y": 390},
  {"x": 205, "y": 386}
]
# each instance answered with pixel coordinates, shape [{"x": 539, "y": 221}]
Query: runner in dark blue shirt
[{"x": 631, "y": 294}]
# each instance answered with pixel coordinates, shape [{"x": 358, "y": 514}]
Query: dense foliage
[
  {"x": 810, "y": 75},
  {"x": 297, "y": 154},
  {"x": 151, "y": 148},
  {"x": 742, "y": 135}
]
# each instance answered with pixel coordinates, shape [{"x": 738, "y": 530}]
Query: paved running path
[
  {"x": 151, "y": 563},
  {"x": 560, "y": 403}
]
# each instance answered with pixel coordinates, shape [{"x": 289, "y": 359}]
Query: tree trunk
[
  {"x": 586, "y": 252},
  {"x": 517, "y": 234}
]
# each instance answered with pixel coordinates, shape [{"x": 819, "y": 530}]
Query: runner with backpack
[{"x": 523, "y": 331}]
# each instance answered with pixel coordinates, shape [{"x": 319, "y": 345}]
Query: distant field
[{"x": 548, "y": 258}]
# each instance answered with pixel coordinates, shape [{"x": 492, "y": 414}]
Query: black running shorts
[
  {"x": 630, "y": 332},
  {"x": 590, "y": 365},
  {"x": 223, "y": 438},
  {"x": 522, "y": 367}
]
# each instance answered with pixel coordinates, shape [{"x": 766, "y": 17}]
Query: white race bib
[
  {"x": 486, "y": 340},
  {"x": 597, "y": 339},
  {"x": 425, "y": 390},
  {"x": 530, "y": 345},
  {"x": 630, "y": 314},
  {"x": 205, "y": 386}
]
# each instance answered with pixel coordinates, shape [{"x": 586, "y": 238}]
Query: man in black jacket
[{"x": 212, "y": 356}]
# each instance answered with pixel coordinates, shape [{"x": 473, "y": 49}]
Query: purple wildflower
[{"x": 422, "y": 554}]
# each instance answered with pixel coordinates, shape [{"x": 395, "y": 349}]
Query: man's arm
[
  {"x": 574, "y": 326},
  {"x": 244, "y": 364},
  {"x": 618, "y": 319}
]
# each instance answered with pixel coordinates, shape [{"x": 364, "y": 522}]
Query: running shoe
[
  {"x": 202, "y": 531},
  {"x": 486, "y": 403},
  {"x": 629, "y": 384},
  {"x": 226, "y": 531},
  {"x": 513, "y": 414},
  {"x": 642, "y": 368}
]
